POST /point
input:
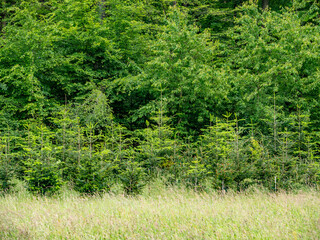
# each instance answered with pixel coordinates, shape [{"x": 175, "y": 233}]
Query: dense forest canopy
[{"x": 218, "y": 93}]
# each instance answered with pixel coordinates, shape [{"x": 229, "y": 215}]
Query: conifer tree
[{"x": 41, "y": 166}]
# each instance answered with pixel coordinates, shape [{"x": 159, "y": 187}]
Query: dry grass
[{"x": 171, "y": 214}]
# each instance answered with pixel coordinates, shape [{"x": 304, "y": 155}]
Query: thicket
[{"x": 207, "y": 94}]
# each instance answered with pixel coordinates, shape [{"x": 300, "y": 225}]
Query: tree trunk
[{"x": 265, "y": 4}]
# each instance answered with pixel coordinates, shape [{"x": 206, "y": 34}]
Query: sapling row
[{"x": 83, "y": 146}]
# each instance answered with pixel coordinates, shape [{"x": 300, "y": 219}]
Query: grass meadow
[{"x": 166, "y": 213}]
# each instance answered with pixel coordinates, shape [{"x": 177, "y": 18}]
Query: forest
[{"x": 206, "y": 94}]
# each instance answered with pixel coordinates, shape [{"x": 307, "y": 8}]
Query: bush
[
  {"x": 43, "y": 178},
  {"x": 6, "y": 175},
  {"x": 133, "y": 178},
  {"x": 195, "y": 175},
  {"x": 94, "y": 177}
]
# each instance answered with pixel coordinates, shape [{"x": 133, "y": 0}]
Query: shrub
[
  {"x": 133, "y": 178},
  {"x": 94, "y": 176},
  {"x": 43, "y": 178},
  {"x": 6, "y": 175}
]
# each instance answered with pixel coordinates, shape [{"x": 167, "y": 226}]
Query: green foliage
[
  {"x": 5, "y": 178},
  {"x": 69, "y": 138},
  {"x": 158, "y": 148},
  {"x": 195, "y": 175},
  {"x": 271, "y": 52},
  {"x": 69, "y": 42},
  {"x": 7, "y": 167},
  {"x": 94, "y": 92},
  {"x": 41, "y": 167},
  {"x": 7, "y": 173},
  {"x": 181, "y": 72},
  {"x": 132, "y": 177},
  {"x": 94, "y": 176},
  {"x": 219, "y": 146},
  {"x": 43, "y": 178}
]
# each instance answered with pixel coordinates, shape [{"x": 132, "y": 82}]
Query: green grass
[{"x": 165, "y": 214}]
